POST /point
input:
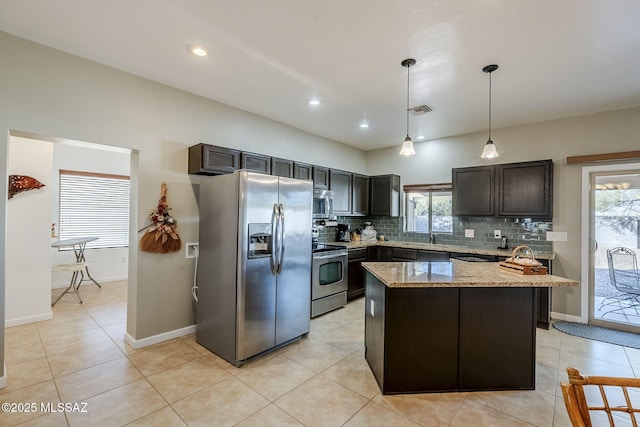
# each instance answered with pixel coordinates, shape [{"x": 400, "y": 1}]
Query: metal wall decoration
[{"x": 20, "y": 183}]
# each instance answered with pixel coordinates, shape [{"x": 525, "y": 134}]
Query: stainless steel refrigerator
[{"x": 254, "y": 266}]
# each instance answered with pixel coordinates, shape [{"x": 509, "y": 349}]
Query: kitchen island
[{"x": 451, "y": 326}]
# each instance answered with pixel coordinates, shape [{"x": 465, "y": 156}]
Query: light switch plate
[
  {"x": 497, "y": 234},
  {"x": 556, "y": 236},
  {"x": 469, "y": 232}
]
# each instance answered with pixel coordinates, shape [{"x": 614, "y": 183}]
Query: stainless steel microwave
[{"x": 323, "y": 204}]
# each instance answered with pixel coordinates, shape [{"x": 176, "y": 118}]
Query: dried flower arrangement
[{"x": 161, "y": 236}]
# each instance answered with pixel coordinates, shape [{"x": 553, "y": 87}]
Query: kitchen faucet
[{"x": 432, "y": 238}]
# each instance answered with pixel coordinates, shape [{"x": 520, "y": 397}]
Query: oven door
[{"x": 329, "y": 275}]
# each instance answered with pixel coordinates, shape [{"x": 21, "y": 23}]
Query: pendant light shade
[
  {"x": 490, "y": 151},
  {"x": 407, "y": 145}
]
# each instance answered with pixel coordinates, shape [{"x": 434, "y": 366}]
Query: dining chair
[
  {"x": 600, "y": 401},
  {"x": 624, "y": 276}
]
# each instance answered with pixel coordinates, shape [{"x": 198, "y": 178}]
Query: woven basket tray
[{"x": 522, "y": 261}]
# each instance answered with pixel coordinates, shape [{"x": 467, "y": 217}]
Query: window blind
[
  {"x": 93, "y": 204},
  {"x": 423, "y": 188}
]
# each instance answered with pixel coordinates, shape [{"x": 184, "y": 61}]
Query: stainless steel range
[{"x": 328, "y": 279}]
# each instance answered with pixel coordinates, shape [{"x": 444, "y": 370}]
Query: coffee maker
[{"x": 343, "y": 233}]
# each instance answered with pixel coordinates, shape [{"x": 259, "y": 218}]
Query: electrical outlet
[
  {"x": 469, "y": 232},
  {"x": 191, "y": 250},
  {"x": 556, "y": 236},
  {"x": 497, "y": 234}
]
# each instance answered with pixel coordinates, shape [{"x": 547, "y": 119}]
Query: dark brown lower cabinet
[
  {"x": 450, "y": 339},
  {"x": 356, "y": 273}
]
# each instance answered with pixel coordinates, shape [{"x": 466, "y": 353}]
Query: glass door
[{"x": 615, "y": 235}]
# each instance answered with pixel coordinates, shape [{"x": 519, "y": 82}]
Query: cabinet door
[
  {"x": 385, "y": 195},
  {"x": 356, "y": 273},
  {"x": 255, "y": 162},
  {"x": 432, "y": 256},
  {"x": 340, "y": 184},
  {"x": 208, "y": 159},
  {"x": 383, "y": 254},
  {"x": 473, "y": 191},
  {"x": 302, "y": 171},
  {"x": 360, "y": 194},
  {"x": 320, "y": 177},
  {"x": 525, "y": 189},
  {"x": 282, "y": 167},
  {"x": 403, "y": 254}
]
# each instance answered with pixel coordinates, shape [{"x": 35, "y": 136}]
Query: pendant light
[
  {"x": 407, "y": 145},
  {"x": 489, "y": 151}
]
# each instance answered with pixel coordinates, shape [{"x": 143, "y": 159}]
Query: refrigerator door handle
[
  {"x": 274, "y": 233},
  {"x": 281, "y": 239}
]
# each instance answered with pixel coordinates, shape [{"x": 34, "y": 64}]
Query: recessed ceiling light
[
  {"x": 420, "y": 137},
  {"x": 197, "y": 50},
  {"x": 314, "y": 102},
  {"x": 364, "y": 125}
]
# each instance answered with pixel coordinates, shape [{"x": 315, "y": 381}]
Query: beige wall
[
  {"x": 49, "y": 93},
  {"x": 28, "y": 261},
  {"x": 598, "y": 133}
]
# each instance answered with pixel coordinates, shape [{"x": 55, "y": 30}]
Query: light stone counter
[
  {"x": 457, "y": 273},
  {"x": 439, "y": 247}
]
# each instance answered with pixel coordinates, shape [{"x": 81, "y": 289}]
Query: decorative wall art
[
  {"x": 20, "y": 183},
  {"x": 161, "y": 237}
]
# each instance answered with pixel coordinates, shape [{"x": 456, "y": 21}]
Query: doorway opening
[
  {"x": 614, "y": 236},
  {"x": 29, "y": 296}
]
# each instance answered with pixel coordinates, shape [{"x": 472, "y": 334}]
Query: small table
[{"x": 79, "y": 268}]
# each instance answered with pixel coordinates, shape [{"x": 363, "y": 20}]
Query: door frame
[{"x": 587, "y": 230}]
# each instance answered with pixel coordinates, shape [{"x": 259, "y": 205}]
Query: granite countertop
[
  {"x": 438, "y": 247},
  {"x": 457, "y": 273}
]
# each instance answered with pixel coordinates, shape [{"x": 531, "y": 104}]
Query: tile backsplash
[{"x": 519, "y": 231}]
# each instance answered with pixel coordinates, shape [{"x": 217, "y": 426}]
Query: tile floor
[{"x": 322, "y": 380}]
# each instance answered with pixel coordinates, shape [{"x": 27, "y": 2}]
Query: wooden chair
[{"x": 594, "y": 400}]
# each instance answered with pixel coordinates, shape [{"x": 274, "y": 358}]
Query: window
[
  {"x": 93, "y": 204},
  {"x": 428, "y": 208}
]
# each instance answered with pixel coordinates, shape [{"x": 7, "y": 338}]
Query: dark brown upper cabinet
[
  {"x": 359, "y": 195},
  {"x": 473, "y": 191},
  {"x": 282, "y": 167},
  {"x": 340, "y": 184},
  {"x": 302, "y": 171},
  {"x": 320, "y": 177},
  {"x": 525, "y": 189},
  {"x": 385, "y": 195},
  {"x": 519, "y": 190},
  {"x": 255, "y": 162},
  {"x": 205, "y": 159}
]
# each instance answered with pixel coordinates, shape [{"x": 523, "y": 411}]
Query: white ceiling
[{"x": 557, "y": 58}]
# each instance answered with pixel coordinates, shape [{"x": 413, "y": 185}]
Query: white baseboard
[
  {"x": 3, "y": 378},
  {"x": 29, "y": 319},
  {"x": 155, "y": 339},
  {"x": 98, "y": 279},
  {"x": 567, "y": 317}
]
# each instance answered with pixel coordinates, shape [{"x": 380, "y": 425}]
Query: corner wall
[{"x": 28, "y": 242}]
